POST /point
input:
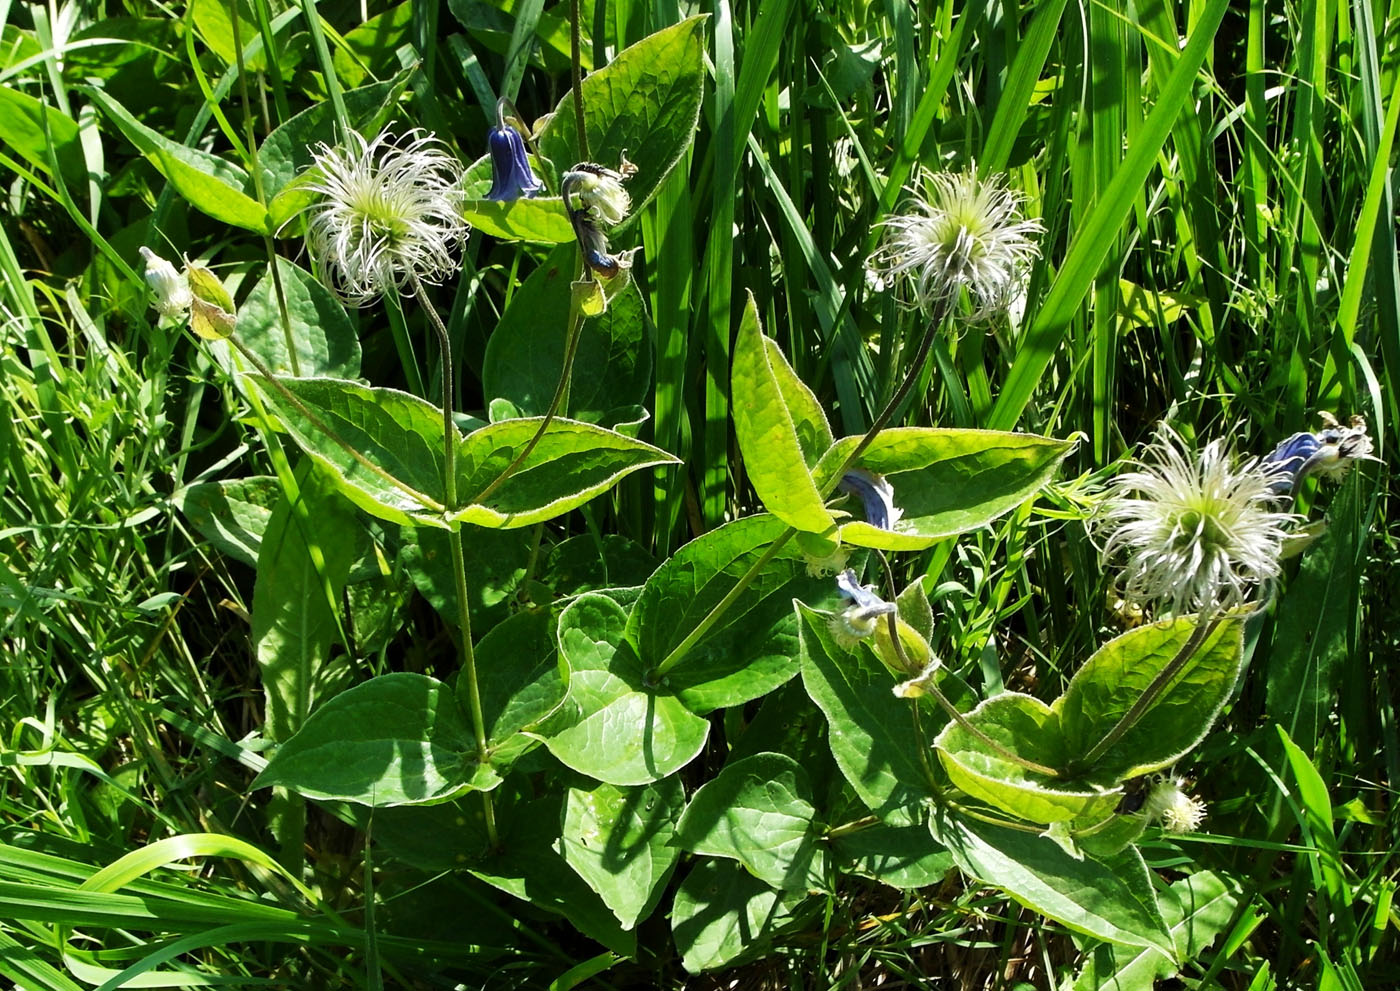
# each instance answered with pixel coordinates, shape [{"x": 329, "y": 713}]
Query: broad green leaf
[
  {"x": 622, "y": 732},
  {"x": 294, "y": 603},
  {"x": 541, "y": 219},
  {"x": 1029, "y": 728},
  {"x": 495, "y": 565},
  {"x": 587, "y": 563},
  {"x": 754, "y": 648},
  {"x": 872, "y": 733},
  {"x": 1196, "y": 909},
  {"x": 572, "y": 463},
  {"x": 232, "y": 514},
  {"x": 370, "y": 48},
  {"x": 1141, "y": 307},
  {"x": 319, "y": 330},
  {"x": 445, "y": 836},
  {"x": 529, "y": 866},
  {"x": 208, "y": 183},
  {"x": 33, "y": 130},
  {"x": 758, "y": 811},
  {"x": 525, "y": 354},
  {"x": 619, "y": 840},
  {"x": 398, "y": 437},
  {"x": 900, "y": 856},
  {"x": 1110, "y": 898},
  {"x": 291, "y": 147},
  {"x": 946, "y": 481},
  {"x": 399, "y": 739},
  {"x": 774, "y": 456},
  {"x": 723, "y": 914},
  {"x": 808, "y": 417},
  {"x": 521, "y": 681},
  {"x": 645, "y": 102},
  {"x": 214, "y": 21},
  {"x": 1112, "y": 681}
]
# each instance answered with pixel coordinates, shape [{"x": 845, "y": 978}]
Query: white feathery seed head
[
  {"x": 1178, "y": 812},
  {"x": 1192, "y": 532},
  {"x": 390, "y": 212},
  {"x": 967, "y": 233}
]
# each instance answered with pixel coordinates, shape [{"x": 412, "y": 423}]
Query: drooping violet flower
[
  {"x": 389, "y": 214},
  {"x": 859, "y": 619},
  {"x": 967, "y": 234},
  {"x": 1330, "y": 451},
  {"x": 875, "y": 493},
  {"x": 511, "y": 175},
  {"x": 1192, "y": 532},
  {"x": 593, "y": 196},
  {"x": 169, "y": 286}
]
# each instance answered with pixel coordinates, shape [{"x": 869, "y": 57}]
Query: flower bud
[{"x": 171, "y": 289}]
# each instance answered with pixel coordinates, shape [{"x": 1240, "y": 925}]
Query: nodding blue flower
[
  {"x": 511, "y": 177},
  {"x": 877, "y": 495},
  {"x": 1329, "y": 451},
  {"x": 858, "y": 620}
]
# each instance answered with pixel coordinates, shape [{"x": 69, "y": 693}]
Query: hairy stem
[{"x": 576, "y": 57}]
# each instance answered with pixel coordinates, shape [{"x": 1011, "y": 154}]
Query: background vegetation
[{"x": 1220, "y": 250}]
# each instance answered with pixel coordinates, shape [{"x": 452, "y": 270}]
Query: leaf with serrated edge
[
  {"x": 767, "y": 435},
  {"x": 946, "y": 481},
  {"x": 758, "y": 811},
  {"x": 623, "y": 732}
]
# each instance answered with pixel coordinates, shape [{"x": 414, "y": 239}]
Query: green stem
[
  {"x": 954, "y": 713},
  {"x": 561, "y": 390},
  {"x": 678, "y": 653},
  {"x": 1206, "y": 624},
  {"x": 316, "y": 422},
  {"x": 459, "y": 557},
  {"x": 855, "y": 826}
]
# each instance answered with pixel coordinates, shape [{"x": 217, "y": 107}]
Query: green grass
[{"x": 1236, "y": 184}]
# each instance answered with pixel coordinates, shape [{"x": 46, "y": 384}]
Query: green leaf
[
  {"x": 495, "y": 563},
  {"x": 622, "y": 732},
  {"x": 23, "y": 121},
  {"x": 619, "y": 841},
  {"x": 572, "y": 463},
  {"x": 645, "y": 102},
  {"x": 232, "y": 514},
  {"x": 399, "y": 739},
  {"x": 808, "y": 417},
  {"x": 754, "y": 648},
  {"x": 1028, "y": 728},
  {"x": 1112, "y": 681},
  {"x": 541, "y": 219},
  {"x": 399, "y": 434},
  {"x": 1196, "y": 909},
  {"x": 1110, "y": 898},
  {"x": 530, "y": 867},
  {"x": 209, "y": 183},
  {"x": 320, "y": 331},
  {"x": 758, "y": 811},
  {"x": 294, "y": 615},
  {"x": 767, "y": 432},
  {"x": 587, "y": 563},
  {"x": 446, "y": 836},
  {"x": 723, "y": 914},
  {"x": 900, "y": 856},
  {"x": 872, "y": 733},
  {"x": 525, "y": 354},
  {"x": 522, "y": 684},
  {"x": 946, "y": 481},
  {"x": 291, "y": 148}
]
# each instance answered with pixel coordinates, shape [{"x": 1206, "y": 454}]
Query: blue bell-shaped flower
[{"x": 511, "y": 177}]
